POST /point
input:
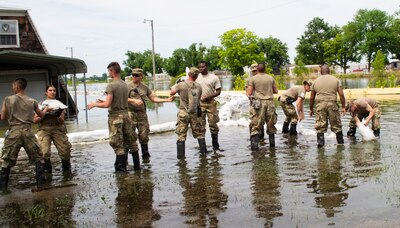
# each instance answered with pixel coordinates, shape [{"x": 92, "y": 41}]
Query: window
[{"x": 9, "y": 33}]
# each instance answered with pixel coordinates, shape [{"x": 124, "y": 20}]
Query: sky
[{"x": 102, "y": 31}]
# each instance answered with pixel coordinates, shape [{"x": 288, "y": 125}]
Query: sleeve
[
  {"x": 302, "y": 92},
  {"x": 35, "y": 104},
  {"x": 251, "y": 82},
  {"x": 148, "y": 92},
  {"x": 109, "y": 89},
  {"x": 312, "y": 87},
  {"x": 339, "y": 83}
]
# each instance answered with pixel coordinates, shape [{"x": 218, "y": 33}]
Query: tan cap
[
  {"x": 194, "y": 71},
  {"x": 253, "y": 66},
  {"x": 307, "y": 83},
  {"x": 137, "y": 71}
]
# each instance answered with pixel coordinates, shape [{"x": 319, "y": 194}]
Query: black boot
[
  {"x": 145, "y": 152},
  {"x": 339, "y": 138},
  {"x": 180, "y": 149},
  {"x": 271, "y": 140},
  {"x": 120, "y": 163},
  {"x": 261, "y": 134},
  {"x": 4, "y": 176},
  {"x": 254, "y": 142},
  {"x": 320, "y": 139},
  {"x": 47, "y": 165},
  {"x": 65, "y": 165},
  {"x": 351, "y": 132},
  {"x": 215, "y": 143},
  {"x": 285, "y": 128},
  {"x": 203, "y": 146},
  {"x": 40, "y": 177},
  {"x": 377, "y": 132},
  {"x": 293, "y": 130},
  {"x": 136, "y": 160}
]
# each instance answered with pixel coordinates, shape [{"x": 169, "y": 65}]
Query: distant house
[
  {"x": 394, "y": 64},
  {"x": 23, "y": 54}
]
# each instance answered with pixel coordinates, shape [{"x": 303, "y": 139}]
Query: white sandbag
[
  {"x": 366, "y": 133},
  {"x": 53, "y": 103}
]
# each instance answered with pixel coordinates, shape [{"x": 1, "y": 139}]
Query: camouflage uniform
[
  {"x": 362, "y": 113},
  {"x": 51, "y": 130},
  {"x": 20, "y": 134},
  {"x": 287, "y": 100}
]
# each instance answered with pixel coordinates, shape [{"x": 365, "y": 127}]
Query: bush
[{"x": 240, "y": 82}]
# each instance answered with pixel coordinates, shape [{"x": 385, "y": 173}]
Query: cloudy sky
[{"x": 101, "y": 31}]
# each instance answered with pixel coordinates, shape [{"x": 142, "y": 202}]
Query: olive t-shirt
[
  {"x": 183, "y": 89},
  {"x": 119, "y": 90},
  {"x": 326, "y": 87},
  {"x": 362, "y": 104},
  {"x": 20, "y": 109},
  {"x": 262, "y": 86},
  {"x": 295, "y": 92},
  {"x": 209, "y": 83},
  {"x": 140, "y": 91}
]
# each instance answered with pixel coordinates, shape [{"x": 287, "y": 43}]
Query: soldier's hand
[
  {"x": 138, "y": 102},
  {"x": 311, "y": 113},
  {"x": 343, "y": 112},
  {"x": 171, "y": 99},
  {"x": 301, "y": 117}
]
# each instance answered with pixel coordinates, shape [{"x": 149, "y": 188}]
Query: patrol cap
[
  {"x": 307, "y": 83},
  {"x": 194, "y": 71},
  {"x": 136, "y": 71},
  {"x": 253, "y": 66}
]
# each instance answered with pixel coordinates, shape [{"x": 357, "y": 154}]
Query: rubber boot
[
  {"x": 120, "y": 163},
  {"x": 320, "y": 139},
  {"x": 203, "y": 146},
  {"x": 377, "y": 132},
  {"x": 65, "y": 165},
  {"x": 271, "y": 140},
  {"x": 351, "y": 132},
  {"x": 293, "y": 130},
  {"x": 136, "y": 160},
  {"x": 4, "y": 177},
  {"x": 215, "y": 144},
  {"x": 261, "y": 135},
  {"x": 254, "y": 142},
  {"x": 180, "y": 149},
  {"x": 339, "y": 138},
  {"x": 285, "y": 127},
  {"x": 40, "y": 177},
  {"x": 47, "y": 165},
  {"x": 145, "y": 152}
]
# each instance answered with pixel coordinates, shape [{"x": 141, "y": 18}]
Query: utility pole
[{"x": 153, "y": 53}]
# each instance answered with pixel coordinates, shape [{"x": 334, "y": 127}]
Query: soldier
[
  {"x": 138, "y": 92},
  {"x": 120, "y": 127},
  {"x": 52, "y": 128},
  {"x": 295, "y": 94},
  {"x": 190, "y": 93},
  {"x": 326, "y": 87},
  {"x": 211, "y": 87},
  {"x": 19, "y": 109},
  {"x": 261, "y": 91},
  {"x": 364, "y": 108}
]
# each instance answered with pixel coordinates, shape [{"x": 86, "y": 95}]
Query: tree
[
  {"x": 212, "y": 57},
  {"x": 182, "y": 58},
  {"x": 144, "y": 60},
  {"x": 239, "y": 48},
  {"x": 371, "y": 30},
  {"x": 275, "y": 52},
  {"x": 310, "y": 49},
  {"x": 340, "y": 50},
  {"x": 379, "y": 64},
  {"x": 395, "y": 37}
]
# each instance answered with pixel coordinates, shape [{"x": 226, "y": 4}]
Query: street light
[{"x": 153, "y": 54}]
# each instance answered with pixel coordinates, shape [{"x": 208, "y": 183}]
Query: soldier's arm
[
  {"x": 172, "y": 92},
  {"x": 41, "y": 113},
  {"x": 61, "y": 118},
  {"x": 36, "y": 119},
  {"x": 3, "y": 111},
  {"x": 100, "y": 103},
  {"x": 312, "y": 98},
  {"x": 342, "y": 99},
  {"x": 300, "y": 109},
  {"x": 209, "y": 98},
  {"x": 249, "y": 91},
  {"x": 135, "y": 101},
  {"x": 370, "y": 115},
  {"x": 156, "y": 99}
]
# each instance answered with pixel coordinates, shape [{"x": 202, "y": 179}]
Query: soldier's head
[
  {"x": 351, "y": 106},
  {"x": 137, "y": 75},
  {"x": 114, "y": 69},
  {"x": 203, "y": 67},
  {"x": 325, "y": 69},
  {"x": 50, "y": 92},
  {"x": 19, "y": 85},
  {"x": 307, "y": 86},
  {"x": 261, "y": 67},
  {"x": 253, "y": 69},
  {"x": 193, "y": 73}
]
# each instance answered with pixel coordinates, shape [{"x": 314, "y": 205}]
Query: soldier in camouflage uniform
[
  {"x": 120, "y": 126},
  {"x": 18, "y": 109},
  {"x": 364, "y": 108},
  {"x": 325, "y": 88},
  {"x": 189, "y": 112},
  {"x": 138, "y": 93},
  {"x": 295, "y": 94},
  {"x": 260, "y": 90},
  {"x": 52, "y": 128}
]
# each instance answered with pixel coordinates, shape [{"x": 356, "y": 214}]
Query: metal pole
[
  {"x": 153, "y": 53},
  {"x": 84, "y": 90}
]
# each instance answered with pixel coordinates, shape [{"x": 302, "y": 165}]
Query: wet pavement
[{"x": 293, "y": 185}]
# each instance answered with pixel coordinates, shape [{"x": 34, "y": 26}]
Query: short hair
[
  {"x": 48, "y": 86},
  {"x": 114, "y": 66},
  {"x": 204, "y": 62},
  {"x": 261, "y": 67},
  {"x": 21, "y": 83}
]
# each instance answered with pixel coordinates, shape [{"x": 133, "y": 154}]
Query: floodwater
[{"x": 293, "y": 185}]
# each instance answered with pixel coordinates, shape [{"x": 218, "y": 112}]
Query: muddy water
[{"x": 294, "y": 184}]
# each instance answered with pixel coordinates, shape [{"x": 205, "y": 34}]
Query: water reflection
[
  {"x": 266, "y": 183},
  {"x": 134, "y": 202},
  {"x": 203, "y": 195},
  {"x": 366, "y": 157},
  {"x": 329, "y": 185}
]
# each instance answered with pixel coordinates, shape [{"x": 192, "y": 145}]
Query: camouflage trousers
[
  {"x": 121, "y": 134},
  {"x": 57, "y": 135},
  {"x": 290, "y": 112},
  {"x": 20, "y": 136},
  {"x": 209, "y": 110},
  {"x": 375, "y": 119},
  {"x": 184, "y": 119},
  {"x": 264, "y": 114},
  {"x": 327, "y": 111},
  {"x": 141, "y": 123}
]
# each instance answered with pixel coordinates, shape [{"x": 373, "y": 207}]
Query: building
[{"x": 23, "y": 54}]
